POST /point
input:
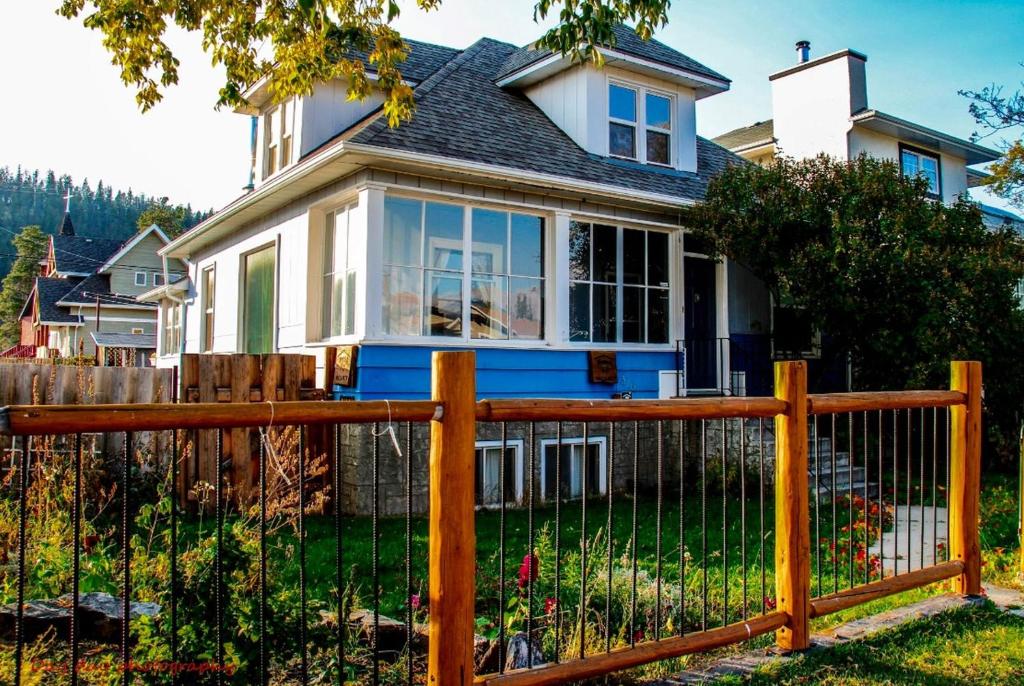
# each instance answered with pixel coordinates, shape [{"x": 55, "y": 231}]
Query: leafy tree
[
  {"x": 31, "y": 245},
  {"x": 995, "y": 112},
  {"x": 171, "y": 218},
  {"x": 900, "y": 283},
  {"x": 310, "y": 41}
]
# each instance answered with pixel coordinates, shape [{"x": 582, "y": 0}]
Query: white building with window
[
  {"x": 530, "y": 210},
  {"x": 821, "y": 106}
]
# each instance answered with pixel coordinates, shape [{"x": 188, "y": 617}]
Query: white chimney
[{"x": 812, "y": 102}]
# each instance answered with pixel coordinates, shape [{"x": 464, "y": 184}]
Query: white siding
[
  {"x": 875, "y": 144},
  {"x": 576, "y": 100},
  {"x": 328, "y": 112}
]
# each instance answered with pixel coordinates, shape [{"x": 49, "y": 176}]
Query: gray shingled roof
[
  {"x": 50, "y": 292},
  {"x": 747, "y": 135},
  {"x": 86, "y": 291},
  {"x": 81, "y": 254},
  {"x": 626, "y": 41},
  {"x": 422, "y": 61},
  {"x": 125, "y": 340},
  {"x": 462, "y": 114}
]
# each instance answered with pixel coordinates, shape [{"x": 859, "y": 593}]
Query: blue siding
[{"x": 397, "y": 372}]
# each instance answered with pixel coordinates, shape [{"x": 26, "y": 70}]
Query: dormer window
[
  {"x": 630, "y": 105},
  {"x": 278, "y": 125},
  {"x": 914, "y": 162}
]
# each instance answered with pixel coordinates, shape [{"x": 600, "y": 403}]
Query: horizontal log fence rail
[{"x": 521, "y": 541}]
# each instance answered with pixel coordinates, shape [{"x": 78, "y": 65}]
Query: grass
[{"x": 966, "y": 646}]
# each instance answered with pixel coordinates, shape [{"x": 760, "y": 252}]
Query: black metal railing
[
  {"x": 254, "y": 585},
  {"x": 738, "y": 366}
]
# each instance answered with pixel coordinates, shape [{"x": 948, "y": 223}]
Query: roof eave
[
  {"x": 554, "y": 63},
  {"x": 364, "y": 154},
  {"x": 971, "y": 152},
  {"x": 767, "y": 143}
]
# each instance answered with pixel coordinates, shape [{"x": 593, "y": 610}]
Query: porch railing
[{"x": 873, "y": 464}]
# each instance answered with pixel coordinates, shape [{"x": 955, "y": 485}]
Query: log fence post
[
  {"x": 965, "y": 475},
  {"x": 792, "y": 513},
  {"x": 452, "y": 521}
]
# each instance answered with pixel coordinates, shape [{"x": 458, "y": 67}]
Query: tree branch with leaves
[
  {"x": 296, "y": 44},
  {"x": 996, "y": 112}
]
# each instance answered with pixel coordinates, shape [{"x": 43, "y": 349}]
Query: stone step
[
  {"x": 825, "y": 491},
  {"x": 842, "y": 480}
]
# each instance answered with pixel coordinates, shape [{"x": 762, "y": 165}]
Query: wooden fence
[{"x": 455, "y": 414}]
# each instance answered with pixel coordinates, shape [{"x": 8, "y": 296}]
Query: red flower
[
  {"x": 638, "y": 635},
  {"x": 528, "y": 571},
  {"x": 550, "y": 605},
  {"x": 769, "y": 603},
  {"x": 89, "y": 542},
  {"x": 414, "y": 601}
]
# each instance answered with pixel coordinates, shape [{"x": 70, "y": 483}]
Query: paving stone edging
[{"x": 744, "y": 664}]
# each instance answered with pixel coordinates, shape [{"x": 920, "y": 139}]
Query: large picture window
[
  {"x": 430, "y": 289},
  {"x": 568, "y": 467},
  {"x": 339, "y": 295},
  {"x": 619, "y": 289}
]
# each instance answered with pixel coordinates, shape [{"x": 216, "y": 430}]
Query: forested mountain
[{"x": 34, "y": 197}]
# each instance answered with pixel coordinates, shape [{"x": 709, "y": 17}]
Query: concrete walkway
[{"x": 909, "y": 525}]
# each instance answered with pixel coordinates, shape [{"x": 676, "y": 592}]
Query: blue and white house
[{"x": 530, "y": 211}]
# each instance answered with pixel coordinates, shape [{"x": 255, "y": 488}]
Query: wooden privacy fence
[{"x": 456, "y": 419}]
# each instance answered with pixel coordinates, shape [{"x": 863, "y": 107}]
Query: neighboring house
[
  {"x": 84, "y": 302},
  {"x": 821, "y": 106},
  {"x": 529, "y": 211},
  {"x": 998, "y": 218}
]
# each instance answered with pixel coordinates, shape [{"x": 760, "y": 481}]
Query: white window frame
[
  {"x": 158, "y": 279},
  {"x": 640, "y": 126},
  {"x": 141, "y": 282},
  {"x": 138, "y": 330},
  {"x": 920, "y": 155},
  {"x": 207, "y": 324},
  {"x": 600, "y": 441},
  {"x": 518, "y": 446},
  {"x": 467, "y": 275},
  {"x": 278, "y": 144},
  {"x": 331, "y": 271},
  {"x": 171, "y": 343}
]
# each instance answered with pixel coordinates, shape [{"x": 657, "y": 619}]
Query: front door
[
  {"x": 702, "y": 346},
  {"x": 258, "y": 300}
]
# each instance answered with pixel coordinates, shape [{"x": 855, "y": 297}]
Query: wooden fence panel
[{"x": 241, "y": 378}]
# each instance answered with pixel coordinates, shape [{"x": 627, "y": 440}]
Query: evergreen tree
[{"x": 31, "y": 245}]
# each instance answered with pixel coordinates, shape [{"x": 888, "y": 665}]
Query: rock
[
  {"x": 40, "y": 616},
  {"x": 391, "y": 636},
  {"x": 485, "y": 656},
  {"x": 99, "y": 617},
  {"x": 519, "y": 650}
]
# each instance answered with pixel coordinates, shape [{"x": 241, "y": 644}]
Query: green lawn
[{"x": 967, "y": 646}]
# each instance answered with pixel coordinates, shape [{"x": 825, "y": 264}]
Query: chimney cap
[{"x": 803, "y": 51}]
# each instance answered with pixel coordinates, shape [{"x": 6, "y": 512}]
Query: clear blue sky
[{"x": 66, "y": 108}]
